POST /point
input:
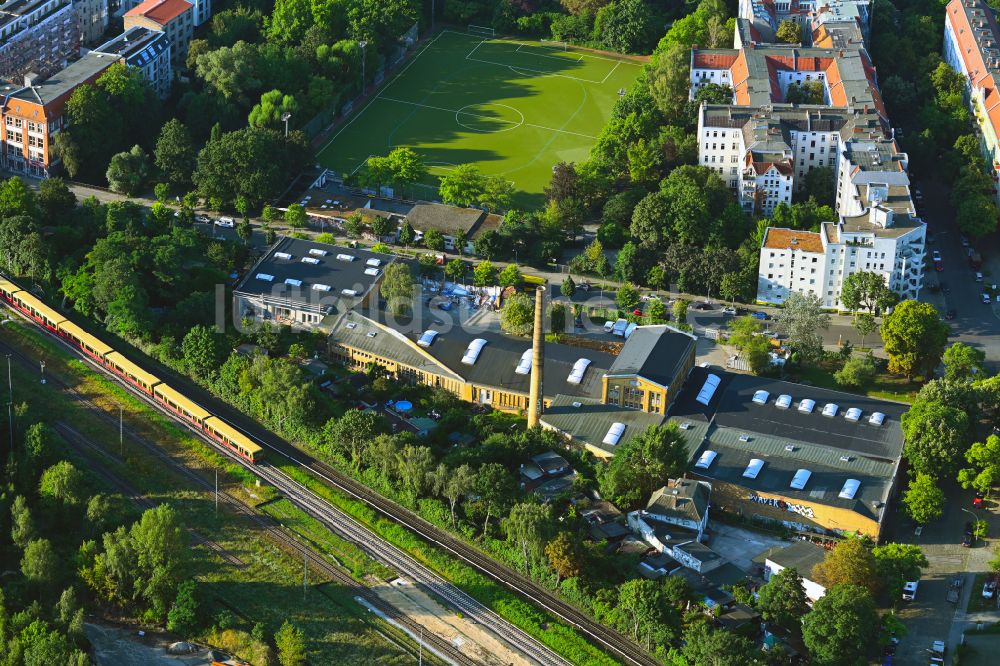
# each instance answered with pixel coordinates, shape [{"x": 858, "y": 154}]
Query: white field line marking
[
  {"x": 537, "y": 46},
  {"x": 466, "y": 113},
  {"x": 542, "y": 55},
  {"x": 361, "y": 111},
  {"x": 610, "y": 73},
  {"x": 533, "y": 71}
]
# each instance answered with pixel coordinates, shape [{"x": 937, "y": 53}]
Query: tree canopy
[
  {"x": 643, "y": 464},
  {"x": 914, "y": 338}
]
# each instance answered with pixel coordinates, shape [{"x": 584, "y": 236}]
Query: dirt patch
[
  {"x": 467, "y": 636},
  {"x": 115, "y": 646}
]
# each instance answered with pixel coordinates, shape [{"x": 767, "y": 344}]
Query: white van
[
  {"x": 227, "y": 222},
  {"x": 910, "y": 590}
]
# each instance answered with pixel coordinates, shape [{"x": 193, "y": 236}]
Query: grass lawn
[
  {"x": 269, "y": 588},
  {"x": 514, "y": 108},
  {"x": 885, "y": 386}
]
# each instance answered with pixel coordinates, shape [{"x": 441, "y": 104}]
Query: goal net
[
  {"x": 482, "y": 30},
  {"x": 554, "y": 45}
]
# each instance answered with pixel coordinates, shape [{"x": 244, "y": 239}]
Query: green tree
[
  {"x": 377, "y": 172},
  {"x": 680, "y": 309},
  {"x": 568, "y": 287},
  {"x": 747, "y": 335},
  {"x": 806, "y": 92},
  {"x": 291, "y": 644},
  {"x": 62, "y": 482},
  {"x": 625, "y": 26},
  {"x": 518, "y": 315},
  {"x": 40, "y": 563},
  {"x": 495, "y": 488},
  {"x": 16, "y": 198},
  {"x": 254, "y": 162},
  {"x": 936, "y": 437},
  {"x": 454, "y": 484},
  {"x": 484, "y": 274},
  {"x": 22, "y": 524},
  {"x": 842, "y": 627},
  {"x": 865, "y": 325},
  {"x": 349, "y": 435},
  {"x": 295, "y": 216},
  {"x": 789, "y": 32},
  {"x": 858, "y": 372},
  {"x": 924, "y": 500},
  {"x": 406, "y": 168},
  {"x": 434, "y": 240},
  {"x": 406, "y": 234},
  {"x": 984, "y": 458},
  {"x": 184, "y": 615},
  {"x": 803, "y": 319},
  {"x": 55, "y": 198},
  {"x": 230, "y": 71},
  {"x": 203, "y": 351},
  {"x": 962, "y": 362},
  {"x": 397, "y": 288},
  {"x": 914, "y": 338},
  {"x": 527, "y": 528},
  {"x": 977, "y": 216},
  {"x": 627, "y": 297},
  {"x": 175, "y": 155},
  {"x": 850, "y": 563},
  {"x": 414, "y": 465},
  {"x": 128, "y": 171},
  {"x": 867, "y": 290},
  {"x": 643, "y": 464},
  {"x": 783, "y": 602},
  {"x": 272, "y": 107},
  {"x": 897, "y": 563},
  {"x": 455, "y": 270},
  {"x": 510, "y": 276},
  {"x": 563, "y": 554},
  {"x": 462, "y": 186},
  {"x": 704, "y": 646}
]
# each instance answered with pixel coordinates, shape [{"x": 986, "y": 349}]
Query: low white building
[
  {"x": 801, "y": 556},
  {"x": 879, "y": 240}
]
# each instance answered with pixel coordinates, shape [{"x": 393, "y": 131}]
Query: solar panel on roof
[
  {"x": 344, "y": 257},
  {"x": 374, "y": 262},
  {"x": 706, "y": 459},
  {"x": 348, "y": 292},
  {"x": 282, "y": 255},
  {"x": 322, "y": 253},
  {"x": 760, "y": 397},
  {"x": 708, "y": 389},
  {"x": 321, "y": 287},
  {"x": 371, "y": 271},
  {"x": 807, "y": 406},
  {"x": 292, "y": 282},
  {"x": 427, "y": 338},
  {"x": 852, "y": 414},
  {"x": 753, "y": 469},
  {"x": 850, "y": 489},
  {"x": 524, "y": 365},
  {"x": 310, "y": 260},
  {"x": 265, "y": 277},
  {"x": 800, "y": 479},
  {"x": 472, "y": 351},
  {"x": 614, "y": 434},
  {"x": 877, "y": 418},
  {"x": 579, "y": 368},
  {"x": 784, "y": 401},
  {"x": 830, "y": 409}
]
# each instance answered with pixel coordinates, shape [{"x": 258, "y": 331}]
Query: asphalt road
[{"x": 976, "y": 324}]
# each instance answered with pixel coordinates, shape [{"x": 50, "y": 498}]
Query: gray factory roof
[
  {"x": 655, "y": 353},
  {"x": 62, "y": 82},
  {"x": 801, "y": 556},
  {"x": 587, "y": 420},
  {"x": 359, "y": 332},
  {"x": 138, "y": 45},
  {"x": 305, "y": 272}
]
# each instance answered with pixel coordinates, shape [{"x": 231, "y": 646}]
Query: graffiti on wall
[{"x": 800, "y": 509}]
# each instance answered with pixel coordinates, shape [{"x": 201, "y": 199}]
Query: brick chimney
[{"x": 535, "y": 395}]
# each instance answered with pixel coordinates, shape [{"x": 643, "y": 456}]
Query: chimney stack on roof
[{"x": 537, "y": 359}]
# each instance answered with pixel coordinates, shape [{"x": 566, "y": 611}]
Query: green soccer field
[{"x": 512, "y": 107}]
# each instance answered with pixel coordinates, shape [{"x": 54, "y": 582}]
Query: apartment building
[
  {"x": 878, "y": 241},
  {"x": 37, "y": 36},
  {"x": 827, "y": 23},
  {"x": 32, "y": 114},
  {"x": 972, "y": 47},
  {"x": 146, "y": 50},
  {"x": 94, "y": 17},
  {"x": 175, "y": 18}
]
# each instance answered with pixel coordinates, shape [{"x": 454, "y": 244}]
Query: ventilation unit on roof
[
  {"x": 784, "y": 401},
  {"x": 877, "y": 418},
  {"x": 686, "y": 425},
  {"x": 800, "y": 479},
  {"x": 852, "y": 414},
  {"x": 351, "y": 325},
  {"x": 830, "y": 409},
  {"x": 789, "y": 448},
  {"x": 807, "y": 406},
  {"x": 282, "y": 255},
  {"x": 370, "y": 334},
  {"x": 708, "y": 389},
  {"x": 524, "y": 365},
  {"x": 577, "y": 404},
  {"x": 614, "y": 434},
  {"x": 345, "y": 257},
  {"x": 473, "y": 350},
  {"x": 348, "y": 292},
  {"x": 579, "y": 368},
  {"x": 427, "y": 339},
  {"x": 744, "y": 437},
  {"x": 321, "y": 287},
  {"x": 753, "y": 469},
  {"x": 850, "y": 489},
  {"x": 320, "y": 253},
  {"x": 310, "y": 260},
  {"x": 265, "y": 277},
  {"x": 292, "y": 282},
  {"x": 374, "y": 262},
  {"x": 760, "y": 397},
  {"x": 845, "y": 458},
  {"x": 706, "y": 459},
  {"x": 371, "y": 271}
]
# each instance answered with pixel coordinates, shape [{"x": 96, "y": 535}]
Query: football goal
[{"x": 482, "y": 31}]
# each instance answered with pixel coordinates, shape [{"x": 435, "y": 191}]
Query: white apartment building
[
  {"x": 878, "y": 241},
  {"x": 37, "y": 36}
]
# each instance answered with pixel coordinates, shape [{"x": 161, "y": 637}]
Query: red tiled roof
[
  {"x": 781, "y": 239},
  {"x": 160, "y": 11},
  {"x": 969, "y": 52},
  {"x": 714, "y": 60}
]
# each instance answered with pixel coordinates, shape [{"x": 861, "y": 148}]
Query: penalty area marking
[{"x": 513, "y": 125}]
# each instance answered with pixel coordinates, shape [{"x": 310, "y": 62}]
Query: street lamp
[
  {"x": 363, "y": 44},
  {"x": 43, "y": 371},
  {"x": 284, "y": 118}
]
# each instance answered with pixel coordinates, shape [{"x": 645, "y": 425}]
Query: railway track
[
  {"x": 444, "y": 648},
  {"x": 619, "y": 646}
]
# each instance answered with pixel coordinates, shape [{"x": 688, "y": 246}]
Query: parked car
[
  {"x": 986, "y": 298},
  {"x": 226, "y": 222},
  {"x": 989, "y": 589},
  {"x": 730, "y": 310},
  {"x": 977, "y": 501},
  {"x": 979, "y": 276},
  {"x": 936, "y": 256},
  {"x": 204, "y": 219},
  {"x": 760, "y": 315},
  {"x": 910, "y": 590},
  {"x": 955, "y": 589},
  {"x": 702, "y": 305},
  {"x": 968, "y": 540},
  {"x": 965, "y": 241}
]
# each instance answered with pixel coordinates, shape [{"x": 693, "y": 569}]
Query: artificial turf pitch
[{"x": 512, "y": 107}]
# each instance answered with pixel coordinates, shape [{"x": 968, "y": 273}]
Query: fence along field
[{"x": 512, "y": 107}]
